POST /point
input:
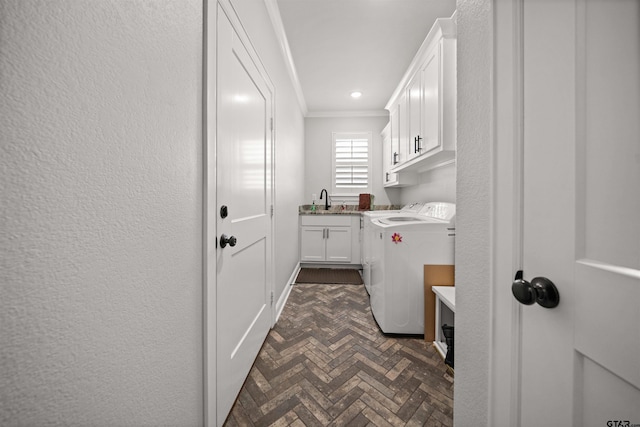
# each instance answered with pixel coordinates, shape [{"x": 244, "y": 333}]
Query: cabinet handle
[
  {"x": 416, "y": 144},
  {"x": 324, "y": 233},
  {"x": 395, "y": 159},
  {"x": 327, "y": 233},
  {"x": 387, "y": 177}
]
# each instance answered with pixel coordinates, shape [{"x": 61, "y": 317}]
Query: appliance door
[
  {"x": 405, "y": 254},
  {"x": 377, "y": 268},
  {"x": 367, "y": 234}
]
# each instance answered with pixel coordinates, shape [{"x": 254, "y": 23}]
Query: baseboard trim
[
  {"x": 285, "y": 294},
  {"x": 323, "y": 265}
]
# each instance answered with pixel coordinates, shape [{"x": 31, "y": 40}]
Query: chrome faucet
[{"x": 327, "y": 205}]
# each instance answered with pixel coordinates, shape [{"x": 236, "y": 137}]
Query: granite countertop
[{"x": 340, "y": 209}]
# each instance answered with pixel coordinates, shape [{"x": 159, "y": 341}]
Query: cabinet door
[
  {"x": 312, "y": 244},
  {"x": 386, "y": 151},
  {"x": 357, "y": 224},
  {"x": 339, "y": 244},
  {"x": 431, "y": 102},
  {"x": 394, "y": 149},
  {"x": 414, "y": 115},
  {"x": 402, "y": 146}
]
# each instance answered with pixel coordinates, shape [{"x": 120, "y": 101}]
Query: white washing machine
[
  {"x": 367, "y": 234},
  {"x": 401, "y": 245}
]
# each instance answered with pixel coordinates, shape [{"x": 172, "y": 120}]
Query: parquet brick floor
[{"x": 326, "y": 363}]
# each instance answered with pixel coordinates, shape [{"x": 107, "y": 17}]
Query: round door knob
[
  {"x": 224, "y": 240},
  {"x": 523, "y": 291},
  {"x": 546, "y": 292},
  {"x": 540, "y": 290}
]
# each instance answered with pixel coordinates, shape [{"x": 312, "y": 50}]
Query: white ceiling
[{"x": 339, "y": 46}]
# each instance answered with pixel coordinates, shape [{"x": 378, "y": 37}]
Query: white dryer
[
  {"x": 401, "y": 246},
  {"x": 410, "y": 209}
]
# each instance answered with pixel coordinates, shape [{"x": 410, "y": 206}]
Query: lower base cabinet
[{"x": 329, "y": 239}]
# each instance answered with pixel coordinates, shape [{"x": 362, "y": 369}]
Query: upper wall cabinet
[
  {"x": 422, "y": 109},
  {"x": 390, "y": 156}
]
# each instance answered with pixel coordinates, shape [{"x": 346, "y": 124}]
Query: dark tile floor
[{"x": 327, "y": 363}]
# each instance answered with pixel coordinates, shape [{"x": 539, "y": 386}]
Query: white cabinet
[
  {"x": 387, "y": 162},
  {"x": 391, "y": 151},
  {"x": 445, "y": 314},
  {"x": 429, "y": 137},
  {"x": 330, "y": 239},
  {"x": 397, "y": 179},
  {"x": 312, "y": 244},
  {"x": 414, "y": 97},
  {"x": 338, "y": 244},
  {"x": 396, "y": 117},
  {"x": 427, "y": 94}
]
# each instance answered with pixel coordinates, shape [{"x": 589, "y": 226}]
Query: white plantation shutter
[{"x": 351, "y": 162}]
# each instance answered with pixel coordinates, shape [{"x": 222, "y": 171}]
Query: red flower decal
[{"x": 396, "y": 238}]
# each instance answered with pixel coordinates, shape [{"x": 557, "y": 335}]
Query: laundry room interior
[
  {"x": 290, "y": 212},
  {"x": 174, "y": 172},
  {"x": 378, "y": 214}
]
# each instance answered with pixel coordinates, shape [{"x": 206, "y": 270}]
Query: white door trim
[
  {"x": 209, "y": 263},
  {"x": 209, "y": 189},
  {"x": 507, "y": 216}
]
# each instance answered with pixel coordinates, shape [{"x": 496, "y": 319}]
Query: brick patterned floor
[{"x": 327, "y": 363}]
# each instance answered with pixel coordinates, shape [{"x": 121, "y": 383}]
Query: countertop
[
  {"x": 447, "y": 295},
  {"x": 340, "y": 210}
]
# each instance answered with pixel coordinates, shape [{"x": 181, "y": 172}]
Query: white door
[
  {"x": 243, "y": 165},
  {"x": 580, "y": 361}
]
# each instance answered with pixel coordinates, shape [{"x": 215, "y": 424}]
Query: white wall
[
  {"x": 289, "y": 125},
  {"x": 101, "y": 235},
  {"x": 436, "y": 185},
  {"x": 318, "y": 152},
  {"x": 473, "y": 219}
]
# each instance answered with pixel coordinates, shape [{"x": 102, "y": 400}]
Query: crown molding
[
  {"x": 442, "y": 28},
  {"x": 278, "y": 27}
]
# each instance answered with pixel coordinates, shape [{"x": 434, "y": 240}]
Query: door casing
[
  {"x": 209, "y": 204},
  {"x": 507, "y": 212}
]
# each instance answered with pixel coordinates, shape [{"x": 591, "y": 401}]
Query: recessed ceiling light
[{"x": 356, "y": 94}]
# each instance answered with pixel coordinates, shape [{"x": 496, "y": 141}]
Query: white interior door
[
  {"x": 243, "y": 145},
  {"x": 580, "y": 361}
]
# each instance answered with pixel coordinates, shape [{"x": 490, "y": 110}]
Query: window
[{"x": 351, "y": 163}]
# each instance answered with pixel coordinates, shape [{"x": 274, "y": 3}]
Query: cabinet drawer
[
  {"x": 326, "y": 220},
  {"x": 404, "y": 179}
]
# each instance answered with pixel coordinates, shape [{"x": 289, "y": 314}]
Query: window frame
[{"x": 346, "y": 193}]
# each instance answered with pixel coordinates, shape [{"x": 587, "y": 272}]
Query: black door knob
[
  {"x": 224, "y": 240},
  {"x": 522, "y": 290},
  {"x": 540, "y": 290}
]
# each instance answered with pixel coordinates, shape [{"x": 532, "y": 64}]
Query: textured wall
[
  {"x": 473, "y": 222},
  {"x": 100, "y": 239}
]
